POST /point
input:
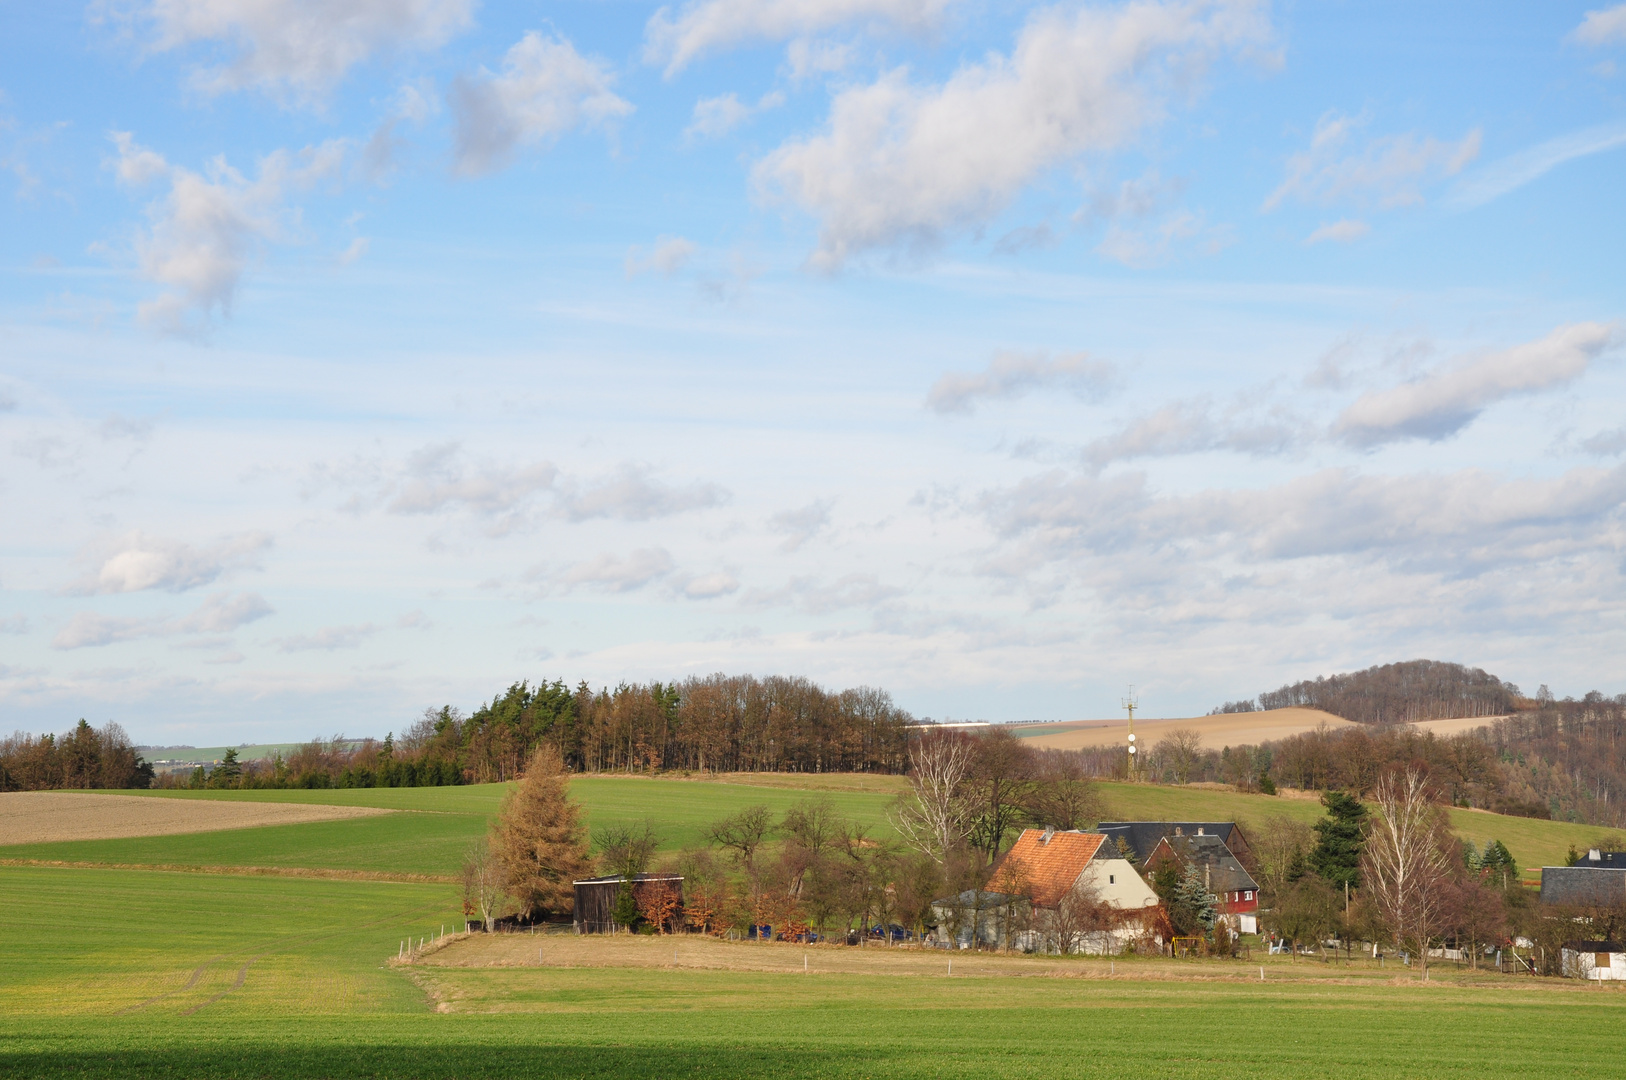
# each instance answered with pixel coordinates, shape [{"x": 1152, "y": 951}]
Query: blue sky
[{"x": 366, "y": 355}]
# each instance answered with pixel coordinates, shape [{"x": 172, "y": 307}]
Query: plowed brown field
[{"x": 42, "y": 817}]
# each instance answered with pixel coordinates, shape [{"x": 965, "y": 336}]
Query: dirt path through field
[{"x": 43, "y": 817}]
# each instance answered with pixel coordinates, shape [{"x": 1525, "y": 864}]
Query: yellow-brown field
[{"x": 43, "y": 817}]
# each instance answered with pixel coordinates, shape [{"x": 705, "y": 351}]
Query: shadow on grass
[{"x": 460, "y": 1062}]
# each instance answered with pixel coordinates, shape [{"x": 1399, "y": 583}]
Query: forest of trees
[
  {"x": 719, "y": 723},
  {"x": 1402, "y": 693},
  {"x": 85, "y": 757}
]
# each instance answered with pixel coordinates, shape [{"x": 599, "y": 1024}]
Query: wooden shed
[{"x": 595, "y": 900}]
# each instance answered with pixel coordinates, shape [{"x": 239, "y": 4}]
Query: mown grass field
[
  {"x": 432, "y": 838},
  {"x": 130, "y": 972}
]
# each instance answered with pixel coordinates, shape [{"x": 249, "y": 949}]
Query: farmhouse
[
  {"x": 1054, "y": 890},
  {"x": 1223, "y": 875},
  {"x": 1140, "y": 838},
  {"x": 1602, "y": 960},
  {"x": 596, "y": 899}
]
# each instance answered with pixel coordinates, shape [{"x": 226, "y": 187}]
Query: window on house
[
  {"x": 1249, "y": 896},
  {"x": 1112, "y": 879},
  {"x": 1601, "y": 960}
]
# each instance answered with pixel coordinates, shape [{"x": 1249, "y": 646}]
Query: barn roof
[
  {"x": 1582, "y": 885},
  {"x": 1142, "y": 836},
  {"x": 1596, "y": 946},
  {"x": 1224, "y": 873},
  {"x": 1045, "y": 864},
  {"x": 619, "y": 878}
]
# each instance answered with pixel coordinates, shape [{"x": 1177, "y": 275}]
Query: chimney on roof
[
  {"x": 1049, "y": 831},
  {"x": 1178, "y": 831},
  {"x": 1594, "y": 855},
  {"x": 1199, "y": 830}
]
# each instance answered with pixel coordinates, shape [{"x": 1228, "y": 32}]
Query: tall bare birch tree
[
  {"x": 934, "y": 818},
  {"x": 1405, "y": 864}
]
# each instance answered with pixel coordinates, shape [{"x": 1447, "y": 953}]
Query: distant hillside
[{"x": 1402, "y": 693}]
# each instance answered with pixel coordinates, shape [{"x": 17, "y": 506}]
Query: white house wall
[{"x": 1118, "y": 884}]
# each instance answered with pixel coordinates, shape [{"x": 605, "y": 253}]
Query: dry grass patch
[{"x": 44, "y": 817}]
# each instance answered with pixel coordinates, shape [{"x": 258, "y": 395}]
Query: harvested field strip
[
  {"x": 248, "y": 871},
  {"x": 503, "y": 956},
  {"x": 43, "y": 817},
  {"x": 399, "y": 844}
]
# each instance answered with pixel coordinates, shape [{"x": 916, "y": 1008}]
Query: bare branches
[
  {"x": 934, "y": 819},
  {"x": 1405, "y": 863}
]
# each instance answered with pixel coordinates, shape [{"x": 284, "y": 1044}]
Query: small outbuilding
[
  {"x": 1600, "y": 960},
  {"x": 596, "y": 899}
]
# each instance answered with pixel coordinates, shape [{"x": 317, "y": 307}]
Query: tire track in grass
[
  {"x": 278, "y": 946},
  {"x": 190, "y": 983}
]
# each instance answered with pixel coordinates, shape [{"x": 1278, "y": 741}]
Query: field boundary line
[{"x": 244, "y": 871}]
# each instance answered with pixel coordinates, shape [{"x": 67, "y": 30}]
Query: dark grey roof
[
  {"x": 1142, "y": 836},
  {"x": 1224, "y": 873},
  {"x": 1588, "y": 885},
  {"x": 1596, "y": 946},
  {"x": 1609, "y": 860}
]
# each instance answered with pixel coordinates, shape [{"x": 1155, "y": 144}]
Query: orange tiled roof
[{"x": 1045, "y": 870}]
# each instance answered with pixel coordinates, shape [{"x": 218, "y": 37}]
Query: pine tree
[
  {"x": 1191, "y": 905},
  {"x": 539, "y": 838},
  {"x": 1337, "y": 855}
]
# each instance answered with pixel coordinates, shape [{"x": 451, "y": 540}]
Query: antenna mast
[{"x": 1129, "y": 704}]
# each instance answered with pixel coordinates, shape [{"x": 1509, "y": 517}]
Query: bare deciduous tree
[
  {"x": 933, "y": 818},
  {"x": 1280, "y": 846},
  {"x": 1181, "y": 749},
  {"x": 483, "y": 883},
  {"x": 1404, "y": 864}
]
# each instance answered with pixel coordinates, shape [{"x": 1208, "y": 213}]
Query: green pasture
[
  {"x": 147, "y": 944},
  {"x": 440, "y": 822},
  {"x": 115, "y": 973}
]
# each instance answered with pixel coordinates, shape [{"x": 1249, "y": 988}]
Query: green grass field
[
  {"x": 135, "y": 973},
  {"x": 129, "y": 972},
  {"x": 446, "y": 820}
]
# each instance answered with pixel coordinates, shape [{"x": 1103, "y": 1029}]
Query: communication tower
[{"x": 1129, "y": 705}]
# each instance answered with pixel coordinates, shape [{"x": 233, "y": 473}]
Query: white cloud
[
  {"x": 14, "y": 624},
  {"x": 676, "y": 40},
  {"x": 303, "y": 46},
  {"x": 904, "y": 164},
  {"x": 1606, "y": 26},
  {"x": 438, "y": 482},
  {"x": 1517, "y": 170},
  {"x": 327, "y": 639},
  {"x": 1144, "y": 248},
  {"x": 1440, "y": 404},
  {"x": 1606, "y": 443},
  {"x": 670, "y": 255},
  {"x": 1389, "y": 170},
  {"x": 1012, "y": 374},
  {"x": 715, "y": 117},
  {"x": 817, "y": 598},
  {"x": 1346, "y": 231},
  {"x": 614, "y": 574},
  {"x": 800, "y": 526},
  {"x": 221, "y": 613},
  {"x": 209, "y": 226},
  {"x": 711, "y": 586},
  {"x": 88, "y": 629},
  {"x": 137, "y": 561},
  {"x": 1189, "y": 428},
  {"x": 629, "y": 494},
  {"x": 1464, "y": 518},
  {"x": 545, "y": 89}
]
